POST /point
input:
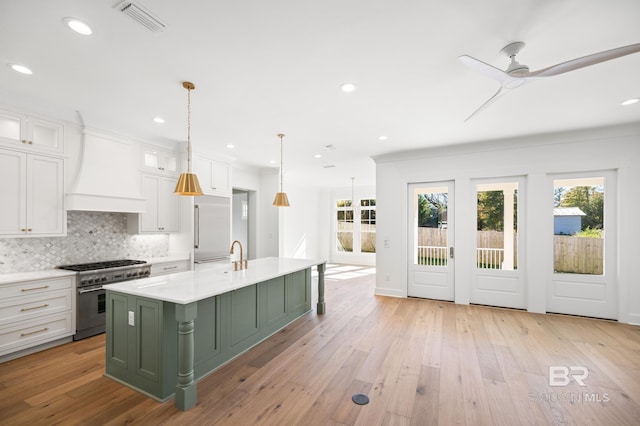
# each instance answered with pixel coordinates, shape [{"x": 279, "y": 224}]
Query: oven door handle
[{"x": 82, "y": 291}]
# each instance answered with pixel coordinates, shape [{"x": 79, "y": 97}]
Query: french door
[
  {"x": 431, "y": 230},
  {"x": 583, "y": 273},
  {"x": 498, "y": 270}
]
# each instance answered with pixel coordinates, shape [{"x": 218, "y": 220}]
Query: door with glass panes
[
  {"x": 430, "y": 239},
  {"x": 498, "y": 273},
  {"x": 583, "y": 273}
]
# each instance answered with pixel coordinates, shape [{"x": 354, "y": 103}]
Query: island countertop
[{"x": 209, "y": 280}]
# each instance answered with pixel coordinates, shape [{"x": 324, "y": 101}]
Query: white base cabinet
[
  {"x": 33, "y": 198},
  {"x": 36, "y": 312},
  {"x": 163, "y": 268}
]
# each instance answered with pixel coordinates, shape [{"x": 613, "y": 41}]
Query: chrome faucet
[{"x": 235, "y": 263}]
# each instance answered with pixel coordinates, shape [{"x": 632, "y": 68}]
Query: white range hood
[{"x": 108, "y": 177}]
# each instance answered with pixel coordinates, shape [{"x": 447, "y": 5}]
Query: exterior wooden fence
[
  {"x": 578, "y": 255},
  {"x": 572, "y": 254}
]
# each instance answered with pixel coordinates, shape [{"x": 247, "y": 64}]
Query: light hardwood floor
[{"x": 420, "y": 362}]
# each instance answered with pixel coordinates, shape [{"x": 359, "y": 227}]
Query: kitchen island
[{"x": 166, "y": 332}]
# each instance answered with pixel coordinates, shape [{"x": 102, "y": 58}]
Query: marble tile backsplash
[{"x": 91, "y": 237}]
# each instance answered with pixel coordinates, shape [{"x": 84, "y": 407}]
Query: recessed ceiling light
[
  {"x": 382, "y": 138},
  {"x": 272, "y": 161},
  {"x": 630, "y": 101},
  {"x": 230, "y": 146},
  {"x": 159, "y": 120},
  {"x": 347, "y": 87},
  {"x": 318, "y": 156},
  {"x": 78, "y": 26},
  {"x": 21, "y": 69}
]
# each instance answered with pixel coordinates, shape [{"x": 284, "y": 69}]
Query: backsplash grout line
[{"x": 91, "y": 237}]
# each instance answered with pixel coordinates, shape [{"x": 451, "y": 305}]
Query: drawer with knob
[
  {"x": 28, "y": 288},
  {"x": 23, "y": 308},
  {"x": 24, "y": 334}
]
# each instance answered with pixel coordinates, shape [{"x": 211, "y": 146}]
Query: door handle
[
  {"x": 91, "y": 290},
  {"x": 196, "y": 236},
  {"x": 451, "y": 252}
]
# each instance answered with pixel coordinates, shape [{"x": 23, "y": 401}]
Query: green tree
[
  {"x": 589, "y": 199},
  {"x": 432, "y": 209},
  {"x": 490, "y": 211}
]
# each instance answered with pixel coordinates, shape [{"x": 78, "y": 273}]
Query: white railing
[
  {"x": 489, "y": 258},
  {"x": 432, "y": 255},
  {"x": 486, "y": 258}
]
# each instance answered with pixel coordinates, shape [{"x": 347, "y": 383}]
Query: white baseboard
[
  {"x": 392, "y": 292},
  {"x": 634, "y": 319}
]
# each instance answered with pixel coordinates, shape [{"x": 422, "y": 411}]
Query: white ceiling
[{"x": 262, "y": 67}]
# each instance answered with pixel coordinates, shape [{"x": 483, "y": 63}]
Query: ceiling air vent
[
  {"x": 329, "y": 166},
  {"x": 142, "y": 16}
]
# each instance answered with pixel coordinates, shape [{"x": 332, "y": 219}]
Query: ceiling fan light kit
[{"x": 517, "y": 75}]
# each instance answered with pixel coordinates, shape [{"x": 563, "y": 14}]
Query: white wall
[
  {"x": 305, "y": 222},
  {"x": 299, "y": 230},
  {"x": 240, "y": 222},
  {"x": 534, "y": 157}
]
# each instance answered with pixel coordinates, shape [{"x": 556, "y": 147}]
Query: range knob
[
  {"x": 103, "y": 279},
  {"x": 90, "y": 281}
]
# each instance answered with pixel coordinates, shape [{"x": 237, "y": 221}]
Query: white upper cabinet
[
  {"x": 33, "y": 204},
  {"x": 159, "y": 160},
  {"x": 31, "y": 133},
  {"x": 214, "y": 176},
  {"x": 161, "y": 206}
]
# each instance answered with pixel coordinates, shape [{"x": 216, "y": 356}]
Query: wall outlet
[{"x": 132, "y": 318}]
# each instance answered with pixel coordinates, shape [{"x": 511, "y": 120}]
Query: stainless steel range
[{"x": 91, "y": 298}]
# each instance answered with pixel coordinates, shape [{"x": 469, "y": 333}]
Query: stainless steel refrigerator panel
[{"x": 212, "y": 233}]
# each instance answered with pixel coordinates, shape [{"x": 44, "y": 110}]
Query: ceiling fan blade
[
  {"x": 484, "y": 68},
  {"x": 501, "y": 91},
  {"x": 586, "y": 61}
]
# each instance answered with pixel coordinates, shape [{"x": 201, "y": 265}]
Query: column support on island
[
  {"x": 186, "y": 388},
  {"x": 321, "y": 307}
]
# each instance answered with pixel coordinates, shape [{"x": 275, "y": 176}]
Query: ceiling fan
[{"x": 517, "y": 75}]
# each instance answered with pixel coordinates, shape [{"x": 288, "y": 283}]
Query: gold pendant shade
[
  {"x": 281, "y": 199},
  {"x": 188, "y": 182},
  {"x": 188, "y": 185}
]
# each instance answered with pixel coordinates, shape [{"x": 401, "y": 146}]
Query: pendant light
[
  {"x": 188, "y": 182},
  {"x": 281, "y": 199}
]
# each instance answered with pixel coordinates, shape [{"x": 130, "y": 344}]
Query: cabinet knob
[
  {"x": 23, "y": 229},
  {"x": 23, "y": 141},
  {"x": 29, "y": 229},
  {"x": 30, "y": 142}
]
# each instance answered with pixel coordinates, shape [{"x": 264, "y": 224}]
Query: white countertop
[
  {"x": 16, "y": 277},
  {"x": 210, "y": 279}
]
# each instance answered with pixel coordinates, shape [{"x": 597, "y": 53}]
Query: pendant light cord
[
  {"x": 188, "y": 129},
  {"x": 281, "y": 161}
]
